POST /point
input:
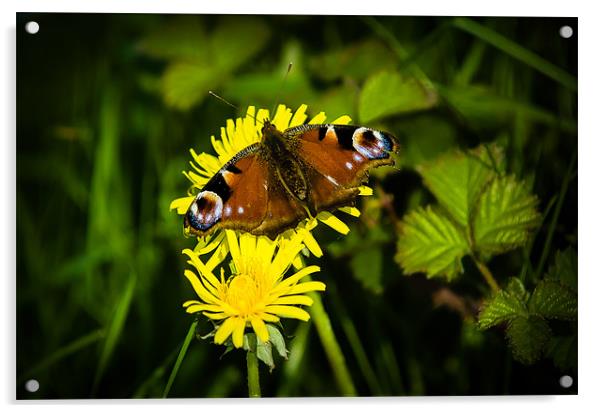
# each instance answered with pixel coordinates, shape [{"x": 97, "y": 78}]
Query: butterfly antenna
[
  {"x": 230, "y": 104},
  {"x": 288, "y": 70}
]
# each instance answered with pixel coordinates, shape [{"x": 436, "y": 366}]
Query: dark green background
[{"x": 102, "y": 137}]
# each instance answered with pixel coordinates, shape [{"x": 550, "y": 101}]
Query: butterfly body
[{"x": 289, "y": 175}]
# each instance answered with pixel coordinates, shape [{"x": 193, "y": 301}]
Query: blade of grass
[
  {"x": 155, "y": 376},
  {"x": 63, "y": 352},
  {"x": 114, "y": 329},
  {"x": 517, "y": 51},
  {"x": 568, "y": 176},
  {"x": 398, "y": 49},
  {"x": 471, "y": 64},
  {"x": 181, "y": 355},
  {"x": 292, "y": 369},
  {"x": 392, "y": 368}
]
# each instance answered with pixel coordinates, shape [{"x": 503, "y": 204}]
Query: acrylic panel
[{"x": 362, "y": 206}]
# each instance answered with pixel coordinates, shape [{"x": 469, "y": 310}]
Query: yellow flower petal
[
  {"x": 342, "y": 120},
  {"x": 333, "y": 222},
  {"x": 260, "y": 329},
  {"x": 299, "y": 116},
  {"x": 216, "y": 316},
  {"x": 208, "y": 244},
  {"x": 294, "y": 300},
  {"x": 233, "y": 244},
  {"x": 224, "y": 330},
  {"x": 319, "y": 118},
  {"x": 288, "y": 312},
  {"x": 202, "y": 269},
  {"x": 306, "y": 287},
  {"x": 181, "y": 204},
  {"x": 239, "y": 332},
  {"x": 312, "y": 245},
  {"x": 199, "y": 289},
  {"x": 269, "y": 318},
  {"x": 190, "y": 302},
  {"x": 353, "y": 211},
  {"x": 365, "y": 190}
]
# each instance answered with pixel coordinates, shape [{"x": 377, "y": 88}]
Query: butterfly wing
[
  {"x": 243, "y": 195},
  {"x": 339, "y": 157},
  {"x": 234, "y": 198}
]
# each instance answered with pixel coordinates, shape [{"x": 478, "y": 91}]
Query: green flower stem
[
  {"x": 331, "y": 346},
  {"x": 253, "y": 372},
  {"x": 487, "y": 274}
]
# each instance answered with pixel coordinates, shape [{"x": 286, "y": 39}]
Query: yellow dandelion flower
[
  {"x": 236, "y": 136},
  {"x": 257, "y": 292}
]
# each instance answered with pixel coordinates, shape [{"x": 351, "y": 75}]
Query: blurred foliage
[{"x": 485, "y": 111}]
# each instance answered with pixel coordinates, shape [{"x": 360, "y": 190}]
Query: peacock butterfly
[{"x": 272, "y": 185}]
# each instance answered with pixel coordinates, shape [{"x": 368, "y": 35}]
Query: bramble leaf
[
  {"x": 388, "y": 93},
  {"x": 505, "y": 305},
  {"x": 457, "y": 179},
  {"x": 563, "y": 351},
  {"x": 551, "y": 299},
  {"x": 504, "y": 217},
  {"x": 528, "y": 337},
  {"x": 431, "y": 243},
  {"x": 564, "y": 269}
]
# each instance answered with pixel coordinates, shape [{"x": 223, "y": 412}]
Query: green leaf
[
  {"x": 430, "y": 243},
  {"x": 457, "y": 179},
  {"x": 516, "y": 288},
  {"x": 367, "y": 265},
  {"x": 183, "y": 38},
  {"x": 277, "y": 340},
  {"x": 528, "y": 337},
  {"x": 563, "y": 352},
  {"x": 504, "y": 217},
  {"x": 550, "y": 299},
  {"x": 388, "y": 93},
  {"x": 564, "y": 269},
  {"x": 504, "y": 306},
  {"x": 187, "y": 84},
  {"x": 263, "y": 350},
  {"x": 236, "y": 39}
]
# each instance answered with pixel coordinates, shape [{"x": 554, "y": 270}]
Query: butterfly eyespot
[
  {"x": 205, "y": 211},
  {"x": 371, "y": 144}
]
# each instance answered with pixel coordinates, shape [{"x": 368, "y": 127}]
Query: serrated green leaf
[
  {"x": 550, "y": 299},
  {"x": 528, "y": 337},
  {"x": 564, "y": 269},
  {"x": 430, "y": 243},
  {"x": 517, "y": 289},
  {"x": 563, "y": 352},
  {"x": 388, "y": 93},
  {"x": 457, "y": 179},
  {"x": 505, "y": 215},
  {"x": 503, "y": 307},
  {"x": 277, "y": 340}
]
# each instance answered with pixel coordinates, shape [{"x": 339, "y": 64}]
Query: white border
[{"x": 590, "y": 229}]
